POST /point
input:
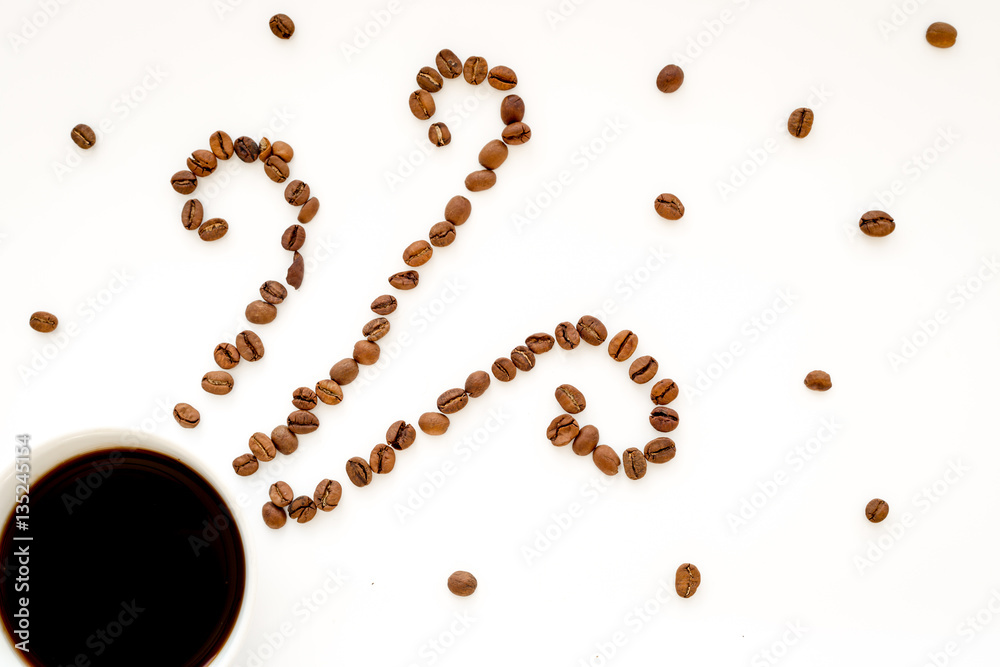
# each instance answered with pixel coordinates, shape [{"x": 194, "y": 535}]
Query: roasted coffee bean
[
  {"x": 516, "y": 134},
  {"x": 283, "y": 151},
  {"x": 458, "y": 210},
  {"x": 327, "y": 495},
  {"x": 382, "y": 459},
  {"x": 202, "y": 163},
  {"x": 359, "y": 472},
  {"x": 404, "y": 280},
  {"x": 422, "y": 104},
  {"x": 512, "y": 109},
  {"x": 462, "y": 583},
  {"x": 274, "y": 516},
  {"x": 504, "y": 369},
  {"x": 442, "y": 234},
  {"x": 250, "y": 345},
  {"x": 296, "y": 271},
  {"x": 586, "y": 441},
  {"x": 429, "y": 79},
  {"x": 659, "y": 450},
  {"x": 669, "y": 79},
  {"x": 262, "y": 447},
  {"x": 562, "y": 430},
  {"x": 226, "y": 356},
  {"x": 366, "y": 352},
  {"x": 669, "y": 207},
  {"x": 540, "y": 343},
  {"x": 308, "y": 211},
  {"x": 623, "y": 345},
  {"x": 280, "y": 494},
  {"x": 877, "y": 223},
  {"x": 284, "y": 440},
  {"x": 246, "y": 149},
  {"x": 493, "y": 154},
  {"x": 276, "y": 169},
  {"x": 301, "y": 422},
  {"x": 877, "y": 510},
  {"x": 433, "y": 423},
  {"x": 818, "y": 381},
  {"x": 523, "y": 358},
  {"x": 260, "y": 312},
  {"x": 800, "y": 122},
  {"x": 384, "y": 305},
  {"x": 477, "y": 181},
  {"x": 643, "y": 369},
  {"x": 475, "y": 70},
  {"x": 687, "y": 580},
  {"x": 304, "y": 398},
  {"x": 417, "y": 253},
  {"x": 184, "y": 182},
  {"x": 941, "y": 35},
  {"x": 400, "y": 435},
  {"x": 273, "y": 292},
  {"x": 186, "y": 415},
  {"x": 43, "y": 322},
  {"x": 634, "y": 463},
  {"x": 663, "y": 419},
  {"x": 192, "y": 214},
  {"x": 296, "y": 193},
  {"x": 282, "y": 26},
  {"x": 83, "y": 136},
  {"x": 502, "y": 78},
  {"x": 663, "y": 392},
  {"x": 592, "y": 330},
  {"x": 213, "y": 230},
  {"x": 221, "y": 145},
  {"x": 571, "y": 399},
  {"x": 219, "y": 383},
  {"x": 302, "y": 509},
  {"x": 375, "y": 329},
  {"x": 245, "y": 465},
  {"x": 265, "y": 149},
  {"x": 477, "y": 383},
  {"x": 606, "y": 460},
  {"x": 439, "y": 134},
  {"x": 567, "y": 336},
  {"x": 294, "y": 237},
  {"x": 448, "y": 64},
  {"x": 329, "y": 392},
  {"x": 452, "y": 401},
  {"x": 344, "y": 371}
]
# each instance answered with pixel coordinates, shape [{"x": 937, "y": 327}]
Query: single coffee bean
[
  {"x": 442, "y": 234},
  {"x": 304, "y": 398},
  {"x": 687, "y": 580},
  {"x": 327, "y": 495},
  {"x": 800, "y": 123},
  {"x": 634, "y": 463},
  {"x": 562, "y": 430},
  {"x": 296, "y": 270},
  {"x": 433, "y": 423},
  {"x": 213, "y": 230},
  {"x": 422, "y": 104},
  {"x": 669, "y": 207},
  {"x": 262, "y": 447},
  {"x": 448, "y": 64},
  {"x": 384, "y": 305},
  {"x": 475, "y": 70},
  {"x": 302, "y": 422},
  {"x": 219, "y": 383},
  {"x": 586, "y": 441},
  {"x": 458, "y": 210},
  {"x": 366, "y": 352},
  {"x": 452, "y": 401},
  {"x": 429, "y": 79},
  {"x": 294, "y": 237},
  {"x": 192, "y": 214},
  {"x": 375, "y": 329},
  {"x": 502, "y": 78},
  {"x": 941, "y": 35},
  {"x": 186, "y": 415},
  {"x": 462, "y": 583},
  {"x": 302, "y": 509},
  {"x": 400, "y": 435},
  {"x": 184, "y": 182},
  {"x": 493, "y": 154},
  {"x": 282, "y": 26},
  {"x": 274, "y": 516},
  {"x": 221, "y": 145},
  {"x": 276, "y": 169},
  {"x": 273, "y": 292},
  {"x": 540, "y": 343},
  {"x": 512, "y": 109},
  {"x": 43, "y": 322},
  {"x": 329, "y": 392},
  {"x": 663, "y": 419},
  {"x": 477, "y": 383},
  {"x": 83, "y": 136},
  {"x": 567, "y": 336},
  {"x": 297, "y": 193},
  {"x": 245, "y": 465},
  {"x": 284, "y": 440},
  {"x": 308, "y": 211},
  {"x": 877, "y": 223},
  {"x": 404, "y": 280},
  {"x": 359, "y": 472},
  {"x": 571, "y": 399},
  {"x": 280, "y": 494},
  {"x": 344, "y": 371},
  {"x": 606, "y": 459},
  {"x": 504, "y": 369},
  {"x": 659, "y": 450},
  {"x": 265, "y": 149},
  {"x": 516, "y": 134},
  {"x": 877, "y": 510},
  {"x": 202, "y": 163},
  {"x": 260, "y": 312},
  {"x": 643, "y": 369},
  {"x": 592, "y": 330},
  {"x": 818, "y": 381},
  {"x": 523, "y": 358},
  {"x": 382, "y": 459},
  {"x": 417, "y": 253},
  {"x": 477, "y": 181},
  {"x": 439, "y": 134},
  {"x": 663, "y": 392},
  {"x": 669, "y": 79},
  {"x": 623, "y": 345},
  {"x": 226, "y": 356},
  {"x": 246, "y": 149},
  {"x": 283, "y": 151},
  {"x": 249, "y": 345}
]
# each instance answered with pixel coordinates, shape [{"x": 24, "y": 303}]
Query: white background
[{"x": 881, "y": 98}]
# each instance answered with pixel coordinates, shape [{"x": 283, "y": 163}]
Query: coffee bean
[
  {"x": 260, "y": 312},
  {"x": 404, "y": 280},
  {"x": 417, "y": 253},
  {"x": 493, "y": 154},
  {"x": 276, "y": 169},
  {"x": 477, "y": 383},
  {"x": 429, "y": 79},
  {"x": 221, "y": 145},
  {"x": 539, "y": 343},
  {"x": 262, "y": 447},
  {"x": 663, "y": 392},
  {"x": 296, "y": 193},
  {"x": 250, "y": 345},
  {"x": 586, "y": 440},
  {"x": 433, "y": 423},
  {"x": 302, "y": 422},
  {"x": 592, "y": 330},
  {"x": 439, "y": 134},
  {"x": 375, "y": 329},
  {"x": 273, "y": 292},
  {"x": 442, "y": 234},
  {"x": 669, "y": 206},
  {"x": 643, "y": 369},
  {"x": 265, "y": 149},
  {"x": 800, "y": 122},
  {"x": 452, "y": 401},
  {"x": 43, "y": 322},
  {"x": 659, "y": 450},
  {"x": 687, "y": 580},
  {"x": 663, "y": 419},
  {"x": 202, "y": 163},
  {"x": 448, "y": 64},
  {"x": 296, "y": 271},
  {"x": 327, "y": 495},
  {"x": 246, "y": 149},
  {"x": 400, "y": 435},
  {"x": 366, "y": 352},
  {"x": 523, "y": 358},
  {"x": 344, "y": 371},
  {"x": 382, "y": 459},
  {"x": 877, "y": 510},
  {"x": 475, "y": 70},
  {"x": 186, "y": 416},
  {"x": 359, "y": 472},
  {"x": 280, "y": 494},
  {"x": 281, "y": 26},
  {"x": 245, "y": 465},
  {"x": 606, "y": 460},
  {"x": 634, "y": 463},
  {"x": 274, "y": 516},
  {"x": 213, "y": 230},
  {"x": 669, "y": 79},
  {"x": 304, "y": 398},
  {"x": 302, "y": 509},
  {"x": 623, "y": 345},
  {"x": 83, "y": 136},
  {"x": 462, "y": 583},
  {"x": 226, "y": 356},
  {"x": 283, "y": 151},
  {"x": 284, "y": 440},
  {"x": 818, "y": 381},
  {"x": 308, "y": 211},
  {"x": 504, "y": 369},
  {"x": 458, "y": 210},
  {"x": 477, "y": 181},
  {"x": 512, "y": 109},
  {"x": 192, "y": 214},
  {"x": 877, "y": 223},
  {"x": 516, "y": 134},
  {"x": 422, "y": 104},
  {"x": 941, "y": 35},
  {"x": 184, "y": 182},
  {"x": 502, "y": 78},
  {"x": 384, "y": 305},
  {"x": 219, "y": 383},
  {"x": 571, "y": 399},
  {"x": 329, "y": 392},
  {"x": 562, "y": 430},
  {"x": 294, "y": 237},
  {"x": 567, "y": 336}
]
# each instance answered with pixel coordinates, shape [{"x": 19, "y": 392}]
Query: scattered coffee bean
[
  {"x": 800, "y": 123},
  {"x": 877, "y": 510},
  {"x": 433, "y": 423},
  {"x": 366, "y": 352},
  {"x": 442, "y": 234},
  {"x": 592, "y": 330},
  {"x": 282, "y": 151},
  {"x": 344, "y": 371},
  {"x": 643, "y": 369},
  {"x": 540, "y": 343},
  {"x": 663, "y": 419},
  {"x": 669, "y": 206},
  {"x": 260, "y": 312},
  {"x": 281, "y": 26},
  {"x": 571, "y": 399},
  {"x": 280, "y": 494},
  {"x": 523, "y": 358},
  {"x": 276, "y": 169},
  {"x": 623, "y": 345},
  {"x": 818, "y": 381},
  {"x": 448, "y": 64},
  {"x": 634, "y": 463},
  {"x": 296, "y": 270},
  {"x": 477, "y": 383},
  {"x": 221, "y": 145},
  {"x": 186, "y": 415},
  {"x": 567, "y": 336},
  {"x": 516, "y": 134},
  {"x": 439, "y": 134},
  {"x": 375, "y": 329},
  {"x": 512, "y": 109},
  {"x": 476, "y": 70},
  {"x": 382, "y": 459},
  {"x": 202, "y": 162},
  {"x": 249, "y": 345},
  {"x": 422, "y": 104},
  {"x": 245, "y": 465},
  {"x": 562, "y": 430},
  {"x": 297, "y": 193},
  {"x": 308, "y": 211},
  {"x": 493, "y": 154},
  {"x": 659, "y": 450},
  {"x": 83, "y": 136},
  {"x": 219, "y": 383},
  {"x": 246, "y": 149},
  {"x": 586, "y": 441},
  {"x": 304, "y": 398},
  {"x": 462, "y": 583},
  {"x": 359, "y": 472},
  {"x": 273, "y": 292},
  {"x": 877, "y": 223},
  {"x": 452, "y": 401},
  {"x": 687, "y": 580},
  {"x": 458, "y": 210},
  {"x": 327, "y": 495},
  {"x": 302, "y": 422},
  {"x": 606, "y": 459},
  {"x": 502, "y": 78},
  {"x": 417, "y": 253},
  {"x": 477, "y": 181},
  {"x": 284, "y": 440},
  {"x": 213, "y": 230},
  {"x": 43, "y": 322},
  {"x": 404, "y": 280},
  {"x": 192, "y": 214},
  {"x": 184, "y": 182},
  {"x": 302, "y": 509},
  {"x": 262, "y": 447},
  {"x": 941, "y": 35},
  {"x": 226, "y": 356},
  {"x": 400, "y": 435},
  {"x": 274, "y": 516},
  {"x": 663, "y": 392},
  {"x": 265, "y": 149},
  {"x": 504, "y": 369},
  {"x": 294, "y": 237},
  {"x": 329, "y": 392},
  {"x": 429, "y": 79},
  {"x": 669, "y": 79},
  {"x": 384, "y": 305}
]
